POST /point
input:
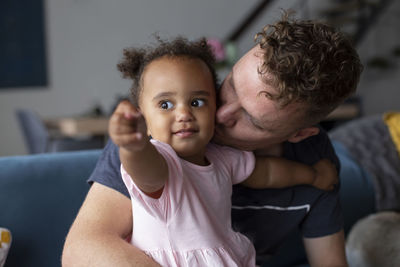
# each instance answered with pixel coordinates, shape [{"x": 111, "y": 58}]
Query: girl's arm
[
  {"x": 139, "y": 157},
  {"x": 274, "y": 172}
]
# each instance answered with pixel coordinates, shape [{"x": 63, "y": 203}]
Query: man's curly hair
[
  {"x": 310, "y": 63},
  {"x": 135, "y": 60}
]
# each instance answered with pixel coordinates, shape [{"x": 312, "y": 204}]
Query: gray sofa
[{"x": 41, "y": 194}]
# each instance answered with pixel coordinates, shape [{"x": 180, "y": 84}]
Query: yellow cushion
[
  {"x": 5, "y": 243},
  {"x": 392, "y": 120}
]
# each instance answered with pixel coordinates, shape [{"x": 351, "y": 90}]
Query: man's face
[{"x": 246, "y": 118}]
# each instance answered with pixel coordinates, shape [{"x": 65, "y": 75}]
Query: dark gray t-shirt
[{"x": 266, "y": 216}]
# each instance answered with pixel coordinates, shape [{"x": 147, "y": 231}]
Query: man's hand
[
  {"x": 326, "y": 175},
  {"x": 127, "y": 127}
]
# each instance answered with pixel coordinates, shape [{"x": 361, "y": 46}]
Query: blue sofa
[{"x": 41, "y": 194}]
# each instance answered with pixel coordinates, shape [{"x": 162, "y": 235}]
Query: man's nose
[
  {"x": 226, "y": 114},
  {"x": 184, "y": 113}
]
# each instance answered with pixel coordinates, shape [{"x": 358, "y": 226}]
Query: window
[{"x": 22, "y": 44}]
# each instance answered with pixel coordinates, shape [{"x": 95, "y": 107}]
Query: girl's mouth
[{"x": 185, "y": 132}]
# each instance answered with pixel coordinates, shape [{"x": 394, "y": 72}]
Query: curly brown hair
[
  {"x": 310, "y": 63},
  {"x": 135, "y": 60}
]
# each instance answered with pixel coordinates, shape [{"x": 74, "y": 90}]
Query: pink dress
[{"x": 190, "y": 224}]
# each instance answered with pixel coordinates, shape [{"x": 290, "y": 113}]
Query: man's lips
[{"x": 185, "y": 132}]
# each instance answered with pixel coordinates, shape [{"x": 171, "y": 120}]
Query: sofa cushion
[{"x": 42, "y": 193}]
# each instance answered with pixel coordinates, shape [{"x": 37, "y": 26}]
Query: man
[{"x": 298, "y": 72}]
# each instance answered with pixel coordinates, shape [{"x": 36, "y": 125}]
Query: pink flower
[{"x": 218, "y": 49}]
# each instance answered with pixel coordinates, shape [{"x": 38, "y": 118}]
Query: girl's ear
[{"x": 303, "y": 134}]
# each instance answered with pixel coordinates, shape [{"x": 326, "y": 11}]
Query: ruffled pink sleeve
[
  {"x": 159, "y": 207},
  {"x": 239, "y": 164}
]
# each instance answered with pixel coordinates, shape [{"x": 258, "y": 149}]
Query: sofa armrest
[{"x": 357, "y": 194}]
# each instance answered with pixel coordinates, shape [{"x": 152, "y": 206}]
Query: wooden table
[{"x": 79, "y": 126}]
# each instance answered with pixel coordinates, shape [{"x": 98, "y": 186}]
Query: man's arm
[
  {"x": 327, "y": 251},
  {"x": 97, "y": 236}
]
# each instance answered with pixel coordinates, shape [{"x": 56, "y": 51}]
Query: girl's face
[{"x": 178, "y": 103}]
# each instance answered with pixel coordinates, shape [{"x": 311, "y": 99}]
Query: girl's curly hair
[
  {"x": 310, "y": 62},
  {"x": 135, "y": 60}
]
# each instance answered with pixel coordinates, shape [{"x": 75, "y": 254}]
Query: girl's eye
[
  {"x": 197, "y": 103},
  {"x": 166, "y": 105}
]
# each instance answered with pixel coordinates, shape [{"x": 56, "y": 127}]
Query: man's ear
[{"x": 303, "y": 134}]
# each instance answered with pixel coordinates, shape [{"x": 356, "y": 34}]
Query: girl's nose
[
  {"x": 183, "y": 114},
  {"x": 226, "y": 114}
]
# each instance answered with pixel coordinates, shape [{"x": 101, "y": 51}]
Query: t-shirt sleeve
[
  {"x": 325, "y": 216},
  {"x": 107, "y": 171},
  {"x": 240, "y": 164}
]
